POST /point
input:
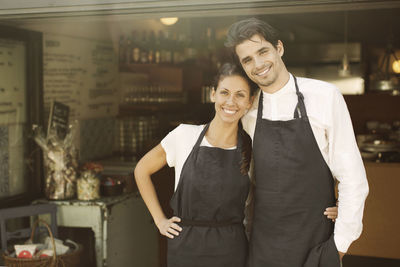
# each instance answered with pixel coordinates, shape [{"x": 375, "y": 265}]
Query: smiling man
[{"x": 302, "y": 141}]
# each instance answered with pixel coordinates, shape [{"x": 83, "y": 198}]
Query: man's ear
[{"x": 280, "y": 48}]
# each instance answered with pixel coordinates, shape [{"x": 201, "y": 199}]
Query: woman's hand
[
  {"x": 169, "y": 228},
  {"x": 331, "y": 213}
]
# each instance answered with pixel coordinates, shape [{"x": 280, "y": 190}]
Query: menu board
[
  {"x": 82, "y": 74},
  {"x": 58, "y": 119},
  {"x": 12, "y": 82},
  {"x": 12, "y": 115}
]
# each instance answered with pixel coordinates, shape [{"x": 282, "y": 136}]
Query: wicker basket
[{"x": 71, "y": 259}]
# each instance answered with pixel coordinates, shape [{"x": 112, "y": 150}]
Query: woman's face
[{"x": 232, "y": 98}]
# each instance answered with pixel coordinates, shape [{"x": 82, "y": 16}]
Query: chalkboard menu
[
  {"x": 58, "y": 119},
  {"x": 12, "y": 81},
  {"x": 81, "y": 73}
]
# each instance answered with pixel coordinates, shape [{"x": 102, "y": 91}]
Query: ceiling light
[{"x": 169, "y": 21}]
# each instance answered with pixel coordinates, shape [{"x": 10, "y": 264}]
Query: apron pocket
[{"x": 323, "y": 255}]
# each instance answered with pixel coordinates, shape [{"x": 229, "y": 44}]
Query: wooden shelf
[{"x": 190, "y": 109}]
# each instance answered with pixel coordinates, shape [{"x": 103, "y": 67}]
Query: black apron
[
  {"x": 294, "y": 186},
  {"x": 210, "y": 200}
]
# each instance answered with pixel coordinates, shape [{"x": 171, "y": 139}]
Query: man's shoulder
[
  {"x": 315, "y": 83},
  {"x": 317, "y": 87}
]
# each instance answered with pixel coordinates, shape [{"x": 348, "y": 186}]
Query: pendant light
[{"x": 344, "y": 68}]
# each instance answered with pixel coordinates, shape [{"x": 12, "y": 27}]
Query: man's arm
[{"x": 348, "y": 168}]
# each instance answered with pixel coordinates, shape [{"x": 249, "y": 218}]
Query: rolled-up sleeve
[{"x": 347, "y": 167}]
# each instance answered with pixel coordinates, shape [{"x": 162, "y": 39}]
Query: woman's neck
[{"x": 221, "y": 134}]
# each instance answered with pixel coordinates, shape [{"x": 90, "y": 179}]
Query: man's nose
[{"x": 258, "y": 62}]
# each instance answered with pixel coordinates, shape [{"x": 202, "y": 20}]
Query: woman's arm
[{"x": 152, "y": 162}]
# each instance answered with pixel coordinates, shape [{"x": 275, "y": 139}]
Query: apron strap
[
  {"x": 203, "y": 133},
  {"x": 300, "y": 110},
  {"x": 260, "y": 106},
  {"x": 187, "y": 222}
]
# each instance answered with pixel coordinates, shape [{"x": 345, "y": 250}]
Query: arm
[
  {"x": 152, "y": 162},
  {"x": 347, "y": 167}
]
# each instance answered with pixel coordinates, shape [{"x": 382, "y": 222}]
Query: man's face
[{"x": 261, "y": 61}]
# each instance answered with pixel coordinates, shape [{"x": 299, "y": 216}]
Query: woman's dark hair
[
  {"x": 232, "y": 69},
  {"x": 227, "y": 70},
  {"x": 245, "y": 29}
]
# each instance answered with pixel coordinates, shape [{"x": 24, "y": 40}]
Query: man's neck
[{"x": 282, "y": 80}]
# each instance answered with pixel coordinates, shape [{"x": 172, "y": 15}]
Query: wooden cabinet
[{"x": 381, "y": 231}]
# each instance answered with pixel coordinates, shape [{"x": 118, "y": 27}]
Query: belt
[{"x": 187, "y": 222}]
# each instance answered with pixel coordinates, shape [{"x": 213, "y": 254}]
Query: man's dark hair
[{"x": 245, "y": 29}]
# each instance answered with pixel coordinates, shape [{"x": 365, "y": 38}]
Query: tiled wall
[{"x": 96, "y": 138}]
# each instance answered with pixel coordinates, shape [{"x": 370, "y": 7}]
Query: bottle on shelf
[
  {"x": 128, "y": 50},
  {"x": 122, "y": 50},
  {"x": 144, "y": 49},
  {"x": 135, "y": 49},
  {"x": 168, "y": 47},
  {"x": 157, "y": 50},
  {"x": 151, "y": 47}
]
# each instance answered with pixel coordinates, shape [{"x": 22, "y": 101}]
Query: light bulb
[{"x": 396, "y": 66}]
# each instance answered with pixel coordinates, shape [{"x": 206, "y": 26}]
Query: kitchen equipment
[
  {"x": 381, "y": 146},
  {"x": 111, "y": 186}
]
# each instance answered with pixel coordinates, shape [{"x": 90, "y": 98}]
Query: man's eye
[
  {"x": 224, "y": 92},
  {"x": 245, "y": 61}
]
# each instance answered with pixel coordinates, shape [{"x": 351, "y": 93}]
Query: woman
[{"x": 211, "y": 180}]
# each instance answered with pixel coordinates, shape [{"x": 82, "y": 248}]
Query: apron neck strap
[
  {"x": 299, "y": 111},
  {"x": 239, "y": 135},
  {"x": 203, "y": 133}
]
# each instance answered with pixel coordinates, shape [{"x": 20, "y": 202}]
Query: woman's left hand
[{"x": 331, "y": 213}]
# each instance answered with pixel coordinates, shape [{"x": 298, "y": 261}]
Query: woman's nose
[{"x": 230, "y": 100}]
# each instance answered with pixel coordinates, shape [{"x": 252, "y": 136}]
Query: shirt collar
[{"x": 287, "y": 88}]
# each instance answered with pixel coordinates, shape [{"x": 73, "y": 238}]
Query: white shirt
[
  {"x": 331, "y": 124},
  {"x": 179, "y": 143}
]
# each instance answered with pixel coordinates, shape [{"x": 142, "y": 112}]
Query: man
[{"x": 302, "y": 139}]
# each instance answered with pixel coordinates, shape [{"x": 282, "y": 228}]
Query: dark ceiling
[{"x": 371, "y": 26}]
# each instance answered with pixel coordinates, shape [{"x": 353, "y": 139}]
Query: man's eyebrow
[
  {"x": 263, "y": 49},
  {"x": 245, "y": 58}
]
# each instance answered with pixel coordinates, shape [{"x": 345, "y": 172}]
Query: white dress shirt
[{"x": 331, "y": 124}]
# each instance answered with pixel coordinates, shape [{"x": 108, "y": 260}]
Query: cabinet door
[{"x": 132, "y": 237}]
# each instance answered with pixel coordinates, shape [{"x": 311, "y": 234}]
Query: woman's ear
[
  {"x": 251, "y": 101},
  {"x": 212, "y": 94}
]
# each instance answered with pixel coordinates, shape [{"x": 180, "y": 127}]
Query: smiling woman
[{"x": 211, "y": 180}]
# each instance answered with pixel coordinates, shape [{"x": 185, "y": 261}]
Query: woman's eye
[{"x": 224, "y": 92}]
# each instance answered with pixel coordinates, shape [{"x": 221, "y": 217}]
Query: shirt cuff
[{"x": 342, "y": 243}]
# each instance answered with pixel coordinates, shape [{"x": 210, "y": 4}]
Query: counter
[{"x": 381, "y": 232}]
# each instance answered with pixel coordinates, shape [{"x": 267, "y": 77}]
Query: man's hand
[{"x": 341, "y": 254}]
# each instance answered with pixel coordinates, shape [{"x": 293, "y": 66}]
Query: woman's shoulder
[{"x": 187, "y": 131}]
